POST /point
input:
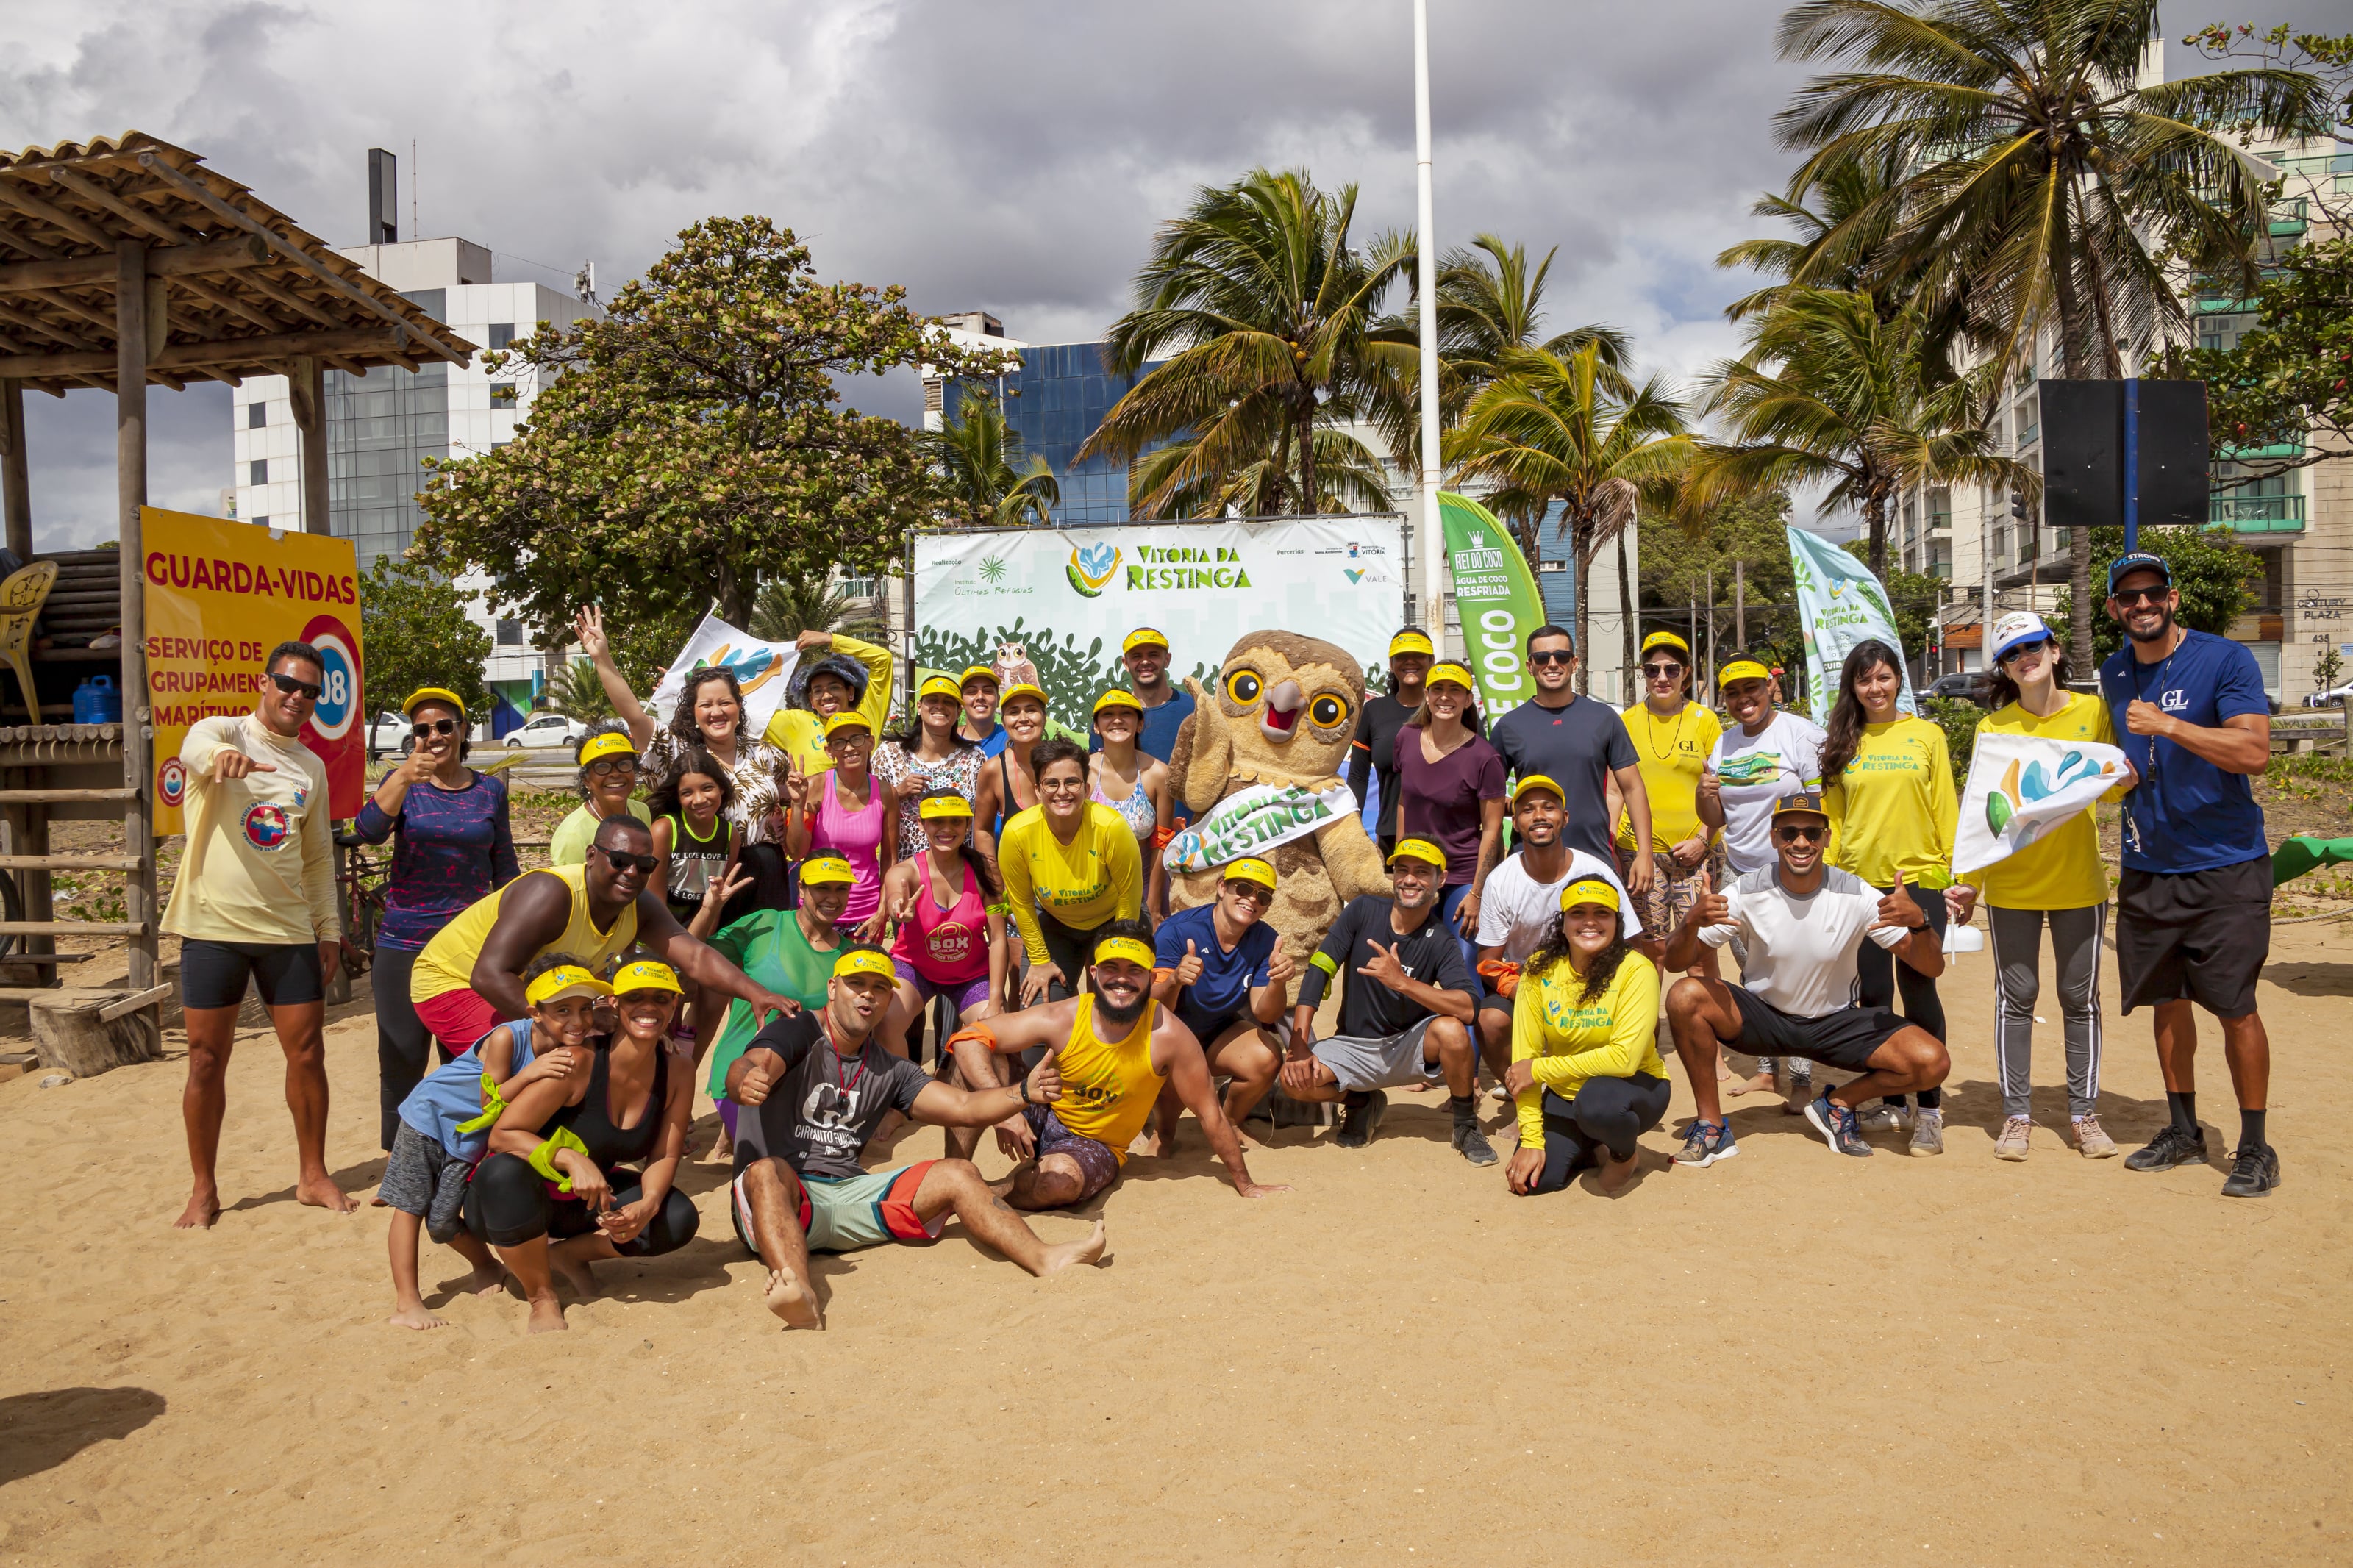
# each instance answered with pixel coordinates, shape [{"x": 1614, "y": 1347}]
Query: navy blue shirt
[
  {"x": 1158, "y": 736},
  {"x": 1224, "y": 989},
  {"x": 1578, "y": 747},
  {"x": 2187, "y": 814}
]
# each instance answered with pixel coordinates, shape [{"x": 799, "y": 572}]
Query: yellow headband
[
  {"x": 976, "y": 672},
  {"x": 1590, "y": 890},
  {"x": 565, "y": 980},
  {"x": 1742, "y": 669},
  {"x": 1250, "y": 869},
  {"x": 1142, "y": 637},
  {"x": 863, "y": 961},
  {"x": 942, "y": 807},
  {"x": 1450, "y": 671},
  {"x": 850, "y": 720},
  {"x": 611, "y": 744},
  {"x": 1116, "y": 698},
  {"x": 827, "y": 870},
  {"x": 1537, "y": 781},
  {"x": 423, "y": 694},
  {"x": 1666, "y": 639},
  {"x": 1020, "y": 688},
  {"x": 1419, "y": 850},
  {"x": 1125, "y": 947},
  {"x": 1410, "y": 642},
  {"x": 645, "y": 975},
  {"x": 939, "y": 686}
]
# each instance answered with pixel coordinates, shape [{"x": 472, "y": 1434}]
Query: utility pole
[
  {"x": 1433, "y": 549},
  {"x": 1711, "y": 617},
  {"x": 1740, "y": 602}
]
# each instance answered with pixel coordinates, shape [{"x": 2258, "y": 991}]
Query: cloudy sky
[{"x": 1005, "y": 155}]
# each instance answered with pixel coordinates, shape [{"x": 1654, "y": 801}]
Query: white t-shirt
[
  {"x": 1755, "y": 771},
  {"x": 1801, "y": 951},
  {"x": 1517, "y": 912}
]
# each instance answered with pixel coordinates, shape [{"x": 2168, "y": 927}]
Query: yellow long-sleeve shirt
[
  {"x": 1569, "y": 1042},
  {"x": 800, "y": 734},
  {"x": 1097, "y": 876},
  {"x": 1894, "y": 808},
  {"x": 259, "y": 864}
]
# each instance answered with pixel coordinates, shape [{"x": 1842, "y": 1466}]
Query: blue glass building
[{"x": 1055, "y": 401}]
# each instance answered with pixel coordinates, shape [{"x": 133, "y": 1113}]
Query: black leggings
[
  {"x": 403, "y": 1046},
  {"x": 1068, "y": 949},
  {"x": 1881, "y": 978},
  {"x": 1608, "y": 1112},
  {"x": 508, "y": 1204}
]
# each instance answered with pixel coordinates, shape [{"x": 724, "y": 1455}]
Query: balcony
[
  {"x": 2330, "y": 171},
  {"x": 2258, "y": 514}
]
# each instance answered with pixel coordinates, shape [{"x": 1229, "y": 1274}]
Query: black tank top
[{"x": 592, "y": 1122}]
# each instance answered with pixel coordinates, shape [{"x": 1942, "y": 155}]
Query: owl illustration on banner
[{"x": 1014, "y": 667}]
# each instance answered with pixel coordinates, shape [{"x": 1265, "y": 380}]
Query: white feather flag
[{"x": 2022, "y": 786}]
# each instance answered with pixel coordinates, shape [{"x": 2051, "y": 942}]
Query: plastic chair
[{"x": 21, "y": 598}]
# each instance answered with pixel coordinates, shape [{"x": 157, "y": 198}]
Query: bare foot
[
  {"x": 319, "y": 1192},
  {"x": 796, "y": 1303},
  {"x": 547, "y": 1316},
  {"x": 415, "y": 1317},
  {"x": 203, "y": 1207},
  {"x": 1074, "y": 1252},
  {"x": 1724, "y": 1072},
  {"x": 1616, "y": 1175},
  {"x": 573, "y": 1272},
  {"x": 723, "y": 1149},
  {"x": 484, "y": 1281},
  {"x": 377, "y": 1202},
  {"x": 1761, "y": 1084},
  {"x": 1795, "y": 1104},
  {"x": 1156, "y": 1147}
]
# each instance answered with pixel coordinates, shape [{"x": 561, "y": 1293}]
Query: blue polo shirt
[
  {"x": 2187, "y": 814},
  {"x": 1224, "y": 989}
]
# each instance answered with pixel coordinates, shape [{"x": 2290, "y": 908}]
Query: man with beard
[
  {"x": 2193, "y": 913},
  {"x": 1523, "y": 906}
]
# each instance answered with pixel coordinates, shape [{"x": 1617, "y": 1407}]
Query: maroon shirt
[{"x": 1440, "y": 801}]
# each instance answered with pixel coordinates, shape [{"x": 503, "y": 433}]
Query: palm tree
[
  {"x": 1842, "y": 240},
  {"x": 1171, "y": 482},
  {"x": 788, "y": 606},
  {"x": 576, "y": 693},
  {"x": 1563, "y": 428},
  {"x": 1830, "y": 392},
  {"x": 1263, "y": 303},
  {"x": 983, "y": 469},
  {"x": 2042, "y": 178}
]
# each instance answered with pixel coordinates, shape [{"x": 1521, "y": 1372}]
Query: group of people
[{"x": 776, "y": 917}]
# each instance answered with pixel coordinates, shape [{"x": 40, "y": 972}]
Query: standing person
[
  {"x": 2058, "y": 878},
  {"x": 451, "y": 844},
  {"x": 976, "y": 688},
  {"x": 254, "y": 901},
  {"x": 951, "y": 918},
  {"x": 848, "y": 810},
  {"x": 1580, "y": 744},
  {"x": 1226, "y": 977},
  {"x": 1164, "y": 705},
  {"x": 2193, "y": 912},
  {"x": 1451, "y": 793},
  {"x": 607, "y": 760},
  {"x": 1009, "y": 784},
  {"x": 1887, "y": 779},
  {"x": 1134, "y": 784},
  {"x": 932, "y": 754},
  {"x": 1372, "y": 757},
  {"x": 1521, "y": 910},
  {"x": 710, "y": 716},
  {"x": 847, "y": 677},
  {"x": 1068, "y": 866},
  {"x": 695, "y": 835},
  {"x": 1673, "y": 737},
  {"x": 787, "y": 952}
]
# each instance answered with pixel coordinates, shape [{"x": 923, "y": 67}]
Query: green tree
[
  {"x": 1914, "y": 597},
  {"x": 576, "y": 693},
  {"x": 1686, "y": 565},
  {"x": 415, "y": 633},
  {"x": 2285, "y": 383},
  {"x": 983, "y": 467},
  {"x": 1175, "y": 480},
  {"x": 2215, "y": 574},
  {"x": 693, "y": 442},
  {"x": 788, "y": 606}
]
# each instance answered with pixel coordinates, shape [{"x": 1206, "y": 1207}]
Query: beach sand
[{"x": 1792, "y": 1357}]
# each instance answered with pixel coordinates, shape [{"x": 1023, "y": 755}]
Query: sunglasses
[
  {"x": 2018, "y": 653},
  {"x": 604, "y": 765},
  {"x": 1250, "y": 892},
  {"x": 1662, "y": 671},
  {"x": 433, "y": 727},
  {"x": 291, "y": 686},
  {"x": 1551, "y": 656},
  {"x": 1793, "y": 834},
  {"x": 2131, "y": 597},
  {"x": 624, "y": 862}
]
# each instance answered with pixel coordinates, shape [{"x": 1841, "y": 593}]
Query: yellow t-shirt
[
  {"x": 2062, "y": 869},
  {"x": 1894, "y": 808},
  {"x": 1570, "y": 1042},
  {"x": 800, "y": 734},
  {"x": 1108, "y": 1086},
  {"x": 448, "y": 961},
  {"x": 1097, "y": 877},
  {"x": 1671, "y": 754},
  {"x": 259, "y": 866}
]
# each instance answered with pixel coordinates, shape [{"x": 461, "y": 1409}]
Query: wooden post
[
  {"x": 72, "y": 1030},
  {"x": 131, "y": 489},
  {"x": 1740, "y": 604},
  {"x": 306, "y": 381},
  {"x": 13, "y": 470}
]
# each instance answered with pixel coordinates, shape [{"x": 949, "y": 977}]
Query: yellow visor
[
  {"x": 976, "y": 672},
  {"x": 1250, "y": 868},
  {"x": 1020, "y": 688},
  {"x": 1142, "y": 637},
  {"x": 1537, "y": 781},
  {"x": 646, "y": 974},
  {"x": 1590, "y": 890},
  {"x": 827, "y": 870},
  {"x": 942, "y": 808},
  {"x": 1419, "y": 850},
  {"x": 565, "y": 980},
  {"x": 423, "y": 694},
  {"x": 1742, "y": 669},
  {"x": 612, "y": 744},
  {"x": 1450, "y": 671},
  {"x": 1411, "y": 642},
  {"x": 841, "y": 723},
  {"x": 939, "y": 686},
  {"x": 863, "y": 961},
  {"x": 1125, "y": 947},
  {"x": 1666, "y": 639},
  {"x": 1116, "y": 698}
]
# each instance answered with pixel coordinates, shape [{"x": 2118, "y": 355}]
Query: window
[
  {"x": 510, "y": 633},
  {"x": 502, "y": 335},
  {"x": 257, "y": 472},
  {"x": 502, "y": 395},
  {"x": 257, "y": 415},
  {"x": 262, "y": 523},
  {"x": 857, "y": 588}
]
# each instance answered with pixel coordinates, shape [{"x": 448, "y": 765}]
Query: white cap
[{"x": 2016, "y": 629}]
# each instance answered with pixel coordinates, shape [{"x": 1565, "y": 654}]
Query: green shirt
[
  {"x": 770, "y": 946},
  {"x": 568, "y": 844}
]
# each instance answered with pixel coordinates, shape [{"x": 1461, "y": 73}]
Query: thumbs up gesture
[
  {"x": 1280, "y": 969},
  {"x": 1188, "y": 968},
  {"x": 1712, "y": 908},
  {"x": 1898, "y": 909},
  {"x": 1045, "y": 1085}
]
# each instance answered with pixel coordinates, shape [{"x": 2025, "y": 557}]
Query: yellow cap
[
  {"x": 863, "y": 961},
  {"x": 646, "y": 974},
  {"x": 1116, "y": 698},
  {"x": 1142, "y": 637},
  {"x": 1537, "y": 781},
  {"x": 1590, "y": 890},
  {"x": 423, "y": 694},
  {"x": 847, "y": 720},
  {"x": 1410, "y": 642},
  {"x": 942, "y": 808},
  {"x": 1666, "y": 639},
  {"x": 976, "y": 672},
  {"x": 611, "y": 744},
  {"x": 1250, "y": 869},
  {"x": 1742, "y": 669},
  {"x": 939, "y": 686},
  {"x": 1125, "y": 947},
  {"x": 1450, "y": 671},
  {"x": 1419, "y": 850},
  {"x": 1020, "y": 688},
  {"x": 825, "y": 870},
  {"x": 565, "y": 980}
]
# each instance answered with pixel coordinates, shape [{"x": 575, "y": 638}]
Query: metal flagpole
[{"x": 1433, "y": 536}]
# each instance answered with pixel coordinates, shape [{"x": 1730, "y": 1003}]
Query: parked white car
[
  {"x": 388, "y": 736},
  {"x": 2336, "y": 697},
  {"x": 546, "y": 729}
]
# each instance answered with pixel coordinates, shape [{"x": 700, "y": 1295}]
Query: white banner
[
  {"x": 762, "y": 668},
  {"x": 1067, "y": 596},
  {"x": 2022, "y": 786},
  {"x": 1839, "y": 603},
  {"x": 1253, "y": 821}
]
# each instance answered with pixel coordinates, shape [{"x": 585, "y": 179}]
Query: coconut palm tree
[
  {"x": 1558, "y": 428},
  {"x": 983, "y": 469},
  {"x": 1260, "y": 302},
  {"x": 1170, "y": 481},
  {"x": 788, "y": 606}
]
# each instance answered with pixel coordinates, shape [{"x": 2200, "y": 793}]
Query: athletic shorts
[
  {"x": 962, "y": 995},
  {"x": 2195, "y": 936},
  {"x": 1390, "y": 1062},
  {"x": 213, "y": 973},
  {"x": 459, "y": 1018},
  {"x": 424, "y": 1179},
  {"x": 1673, "y": 893},
  {"x": 1209, "y": 1027},
  {"x": 1841, "y": 1040},
  {"x": 1098, "y": 1162},
  {"x": 843, "y": 1214}
]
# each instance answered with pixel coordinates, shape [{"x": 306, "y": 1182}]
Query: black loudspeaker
[{"x": 2083, "y": 453}]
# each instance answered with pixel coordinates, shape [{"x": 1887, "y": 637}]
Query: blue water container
[{"x": 96, "y": 702}]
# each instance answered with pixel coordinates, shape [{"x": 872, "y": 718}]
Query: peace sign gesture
[{"x": 796, "y": 785}]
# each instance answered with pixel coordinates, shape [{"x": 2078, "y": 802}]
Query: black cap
[
  {"x": 2137, "y": 560},
  {"x": 1799, "y": 800}
]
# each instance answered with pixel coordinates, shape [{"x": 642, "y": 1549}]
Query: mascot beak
[{"x": 1279, "y": 720}]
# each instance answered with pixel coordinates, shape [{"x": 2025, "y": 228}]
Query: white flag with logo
[
  {"x": 763, "y": 670},
  {"x": 2022, "y": 786}
]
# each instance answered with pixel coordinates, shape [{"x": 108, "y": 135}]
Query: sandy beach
[{"x": 1788, "y": 1358}]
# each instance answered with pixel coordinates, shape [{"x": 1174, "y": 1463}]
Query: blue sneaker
[
  {"x": 1705, "y": 1143},
  {"x": 1836, "y": 1123}
]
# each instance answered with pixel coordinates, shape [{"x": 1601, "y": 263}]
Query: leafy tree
[
  {"x": 788, "y": 606},
  {"x": 414, "y": 629},
  {"x": 1914, "y": 597},
  {"x": 2215, "y": 574},
  {"x": 1178, "y": 480},
  {"x": 983, "y": 467},
  {"x": 1679, "y": 559},
  {"x": 692, "y": 443},
  {"x": 2285, "y": 382},
  {"x": 576, "y": 693},
  {"x": 2327, "y": 59}
]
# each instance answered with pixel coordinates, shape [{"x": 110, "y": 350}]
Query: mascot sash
[{"x": 1253, "y": 821}]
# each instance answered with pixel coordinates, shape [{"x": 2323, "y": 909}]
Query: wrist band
[
  {"x": 979, "y": 1034},
  {"x": 543, "y": 1159},
  {"x": 494, "y": 1107},
  {"x": 1163, "y": 836}
]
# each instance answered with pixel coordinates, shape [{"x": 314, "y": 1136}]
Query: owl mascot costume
[{"x": 1283, "y": 711}]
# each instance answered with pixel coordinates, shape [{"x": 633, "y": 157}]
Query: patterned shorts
[
  {"x": 1098, "y": 1162},
  {"x": 1672, "y": 893}
]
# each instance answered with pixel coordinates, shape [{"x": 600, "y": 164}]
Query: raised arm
[
  {"x": 533, "y": 914},
  {"x": 1175, "y": 1048},
  {"x": 588, "y": 627},
  {"x": 943, "y": 1104},
  {"x": 695, "y": 959}
]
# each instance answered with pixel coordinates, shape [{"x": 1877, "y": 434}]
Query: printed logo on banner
[
  {"x": 171, "y": 781},
  {"x": 267, "y": 825},
  {"x": 1091, "y": 567},
  {"x": 339, "y": 683}
]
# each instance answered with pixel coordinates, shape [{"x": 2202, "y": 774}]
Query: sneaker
[
  {"x": 2255, "y": 1173},
  {"x": 1360, "y": 1122},
  {"x": 2017, "y": 1131},
  {"x": 1927, "y": 1132},
  {"x": 1878, "y": 1117},
  {"x": 1836, "y": 1123},
  {"x": 2170, "y": 1147},
  {"x": 2090, "y": 1143},
  {"x": 1501, "y": 1095},
  {"x": 1472, "y": 1145},
  {"x": 1705, "y": 1143}
]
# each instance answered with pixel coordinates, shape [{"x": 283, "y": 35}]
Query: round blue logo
[
  {"x": 339, "y": 688},
  {"x": 267, "y": 825}
]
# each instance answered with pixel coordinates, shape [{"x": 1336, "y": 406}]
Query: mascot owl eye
[
  {"x": 1327, "y": 711},
  {"x": 1243, "y": 687}
]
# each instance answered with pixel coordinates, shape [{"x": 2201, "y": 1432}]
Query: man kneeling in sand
[
  {"x": 813, "y": 1088},
  {"x": 1117, "y": 1047}
]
